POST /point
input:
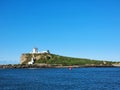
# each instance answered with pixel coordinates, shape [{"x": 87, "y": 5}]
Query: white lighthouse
[{"x": 35, "y": 50}]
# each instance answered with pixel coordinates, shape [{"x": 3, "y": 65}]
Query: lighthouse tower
[{"x": 35, "y": 50}]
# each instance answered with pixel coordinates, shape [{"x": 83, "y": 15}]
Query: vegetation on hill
[{"x": 66, "y": 61}]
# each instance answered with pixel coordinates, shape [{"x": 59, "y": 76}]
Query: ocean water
[{"x": 60, "y": 79}]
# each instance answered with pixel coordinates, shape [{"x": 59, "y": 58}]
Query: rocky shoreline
[{"x": 49, "y": 66}]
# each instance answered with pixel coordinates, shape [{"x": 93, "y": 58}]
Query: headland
[{"x": 45, "y": 59}]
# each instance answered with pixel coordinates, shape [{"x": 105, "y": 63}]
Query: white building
[
  {"x": 32, "y": 61},
  {"x": 45, "y": 51},
  {"x": 35, "y": 50}
]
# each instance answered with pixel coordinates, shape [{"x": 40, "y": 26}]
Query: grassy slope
[{"x": 56, "y": 59}]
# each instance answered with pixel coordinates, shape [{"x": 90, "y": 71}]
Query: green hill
[{"x": 53, "y": 59}]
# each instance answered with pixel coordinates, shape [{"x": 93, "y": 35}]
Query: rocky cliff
[{"x": 25, "y": 58}]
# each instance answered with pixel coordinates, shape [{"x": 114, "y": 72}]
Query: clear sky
[{"x": 75, "y": 28}]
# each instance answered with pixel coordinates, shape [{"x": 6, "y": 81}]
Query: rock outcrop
[{"x": 25, "y": 58}]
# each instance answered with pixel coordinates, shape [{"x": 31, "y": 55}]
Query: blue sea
[{"x": 60, "y": 79}]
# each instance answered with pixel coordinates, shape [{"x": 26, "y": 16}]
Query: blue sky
[{"x": 75, "y": 28}]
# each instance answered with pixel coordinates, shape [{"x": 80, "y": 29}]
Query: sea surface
[{"x": 60, "y": 79}]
